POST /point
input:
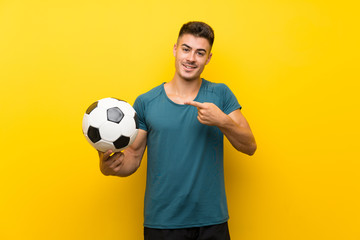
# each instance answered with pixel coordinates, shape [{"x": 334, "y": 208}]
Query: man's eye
[
  {"x": 186, "y": 49},
  {"x": 201, "y": 54}
]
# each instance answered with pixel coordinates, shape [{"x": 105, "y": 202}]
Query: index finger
[
  {"x": 194, "y": 103},
  {"x": 106, "y": 155}
]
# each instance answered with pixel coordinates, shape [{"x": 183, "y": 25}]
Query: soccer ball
[{"x": 110, "y": 123}]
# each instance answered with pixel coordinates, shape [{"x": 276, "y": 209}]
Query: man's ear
[
  {"x": 174, "y": 50},
  {"x": 208, "y": 60}
]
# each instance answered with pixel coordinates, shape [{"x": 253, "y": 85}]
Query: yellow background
[{"x": 294, "y": 66}]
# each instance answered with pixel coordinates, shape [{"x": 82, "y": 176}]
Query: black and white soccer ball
[{"x": 110, "y": 123}]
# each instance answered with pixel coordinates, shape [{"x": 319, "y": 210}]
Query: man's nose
[{"x": 191, "y": 57}]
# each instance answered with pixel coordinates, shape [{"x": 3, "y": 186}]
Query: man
[{"x": 182, "y": 122}]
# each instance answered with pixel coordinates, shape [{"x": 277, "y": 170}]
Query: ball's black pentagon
[
  {"x": 93, "y": 134},
  {"x": 91, "y": 107},
  {"x": 136, "y": 121},
  {"x": 121, "y": 142},
  {"x": 114, "y": 114}
]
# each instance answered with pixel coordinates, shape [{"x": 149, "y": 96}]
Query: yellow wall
[{"x": 292, "y": 64}]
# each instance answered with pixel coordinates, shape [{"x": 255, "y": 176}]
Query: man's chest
[{"x": 162, "y": 117}]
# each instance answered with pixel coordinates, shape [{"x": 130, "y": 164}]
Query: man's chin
[{"x": 189, "y": 78}]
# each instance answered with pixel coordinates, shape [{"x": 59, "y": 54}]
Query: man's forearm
[
  {"x": 240, "y": 137},
  {"x": 130, "y": 164}
]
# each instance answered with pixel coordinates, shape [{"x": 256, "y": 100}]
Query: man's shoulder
[
  {"x": 215, "y": 87},
  {"x": 151, "y": 94}
]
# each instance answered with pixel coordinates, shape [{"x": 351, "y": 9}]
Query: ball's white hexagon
[
  {"x": 126, "y": 108},
  {"x": 104, "y": 146},
  {"x": 110, "y": 131},
  {"x": 107, "y": 103},
  {"x": 97, "y": 117},
  {"x": 133, "y": 136},
  {"x": 127, "y": 126},
  {"x": 85, "y": 123}
]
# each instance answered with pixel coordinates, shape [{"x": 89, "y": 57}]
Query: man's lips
[{"x": 189, "y": 66}]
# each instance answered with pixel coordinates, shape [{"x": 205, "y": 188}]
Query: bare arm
[
  {"x": 124, "y": 163},
  {"x": 234, "y": 126},
  {"x": 238, "y": 132}
]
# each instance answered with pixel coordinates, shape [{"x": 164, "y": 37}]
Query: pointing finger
[{"x": 194, "y": 103}]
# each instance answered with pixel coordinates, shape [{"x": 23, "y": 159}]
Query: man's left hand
[{"x": 208, "y": 113}]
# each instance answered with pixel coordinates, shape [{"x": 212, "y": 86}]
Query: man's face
[{"x": 191, "y": 55}]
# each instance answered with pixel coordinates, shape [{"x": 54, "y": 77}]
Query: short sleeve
[
  {"x": 230, "y": 103},
  {"x": 140, "y": 111}
]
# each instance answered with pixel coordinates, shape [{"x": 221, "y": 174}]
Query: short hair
[{"x": 198, "y": 29}]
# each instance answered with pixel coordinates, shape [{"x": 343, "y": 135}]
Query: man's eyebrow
[{"x": 200, "y": 49}]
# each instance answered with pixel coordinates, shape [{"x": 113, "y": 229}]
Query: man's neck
[{"x": 180, "y": 90}]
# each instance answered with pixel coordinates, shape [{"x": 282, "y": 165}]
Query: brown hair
[{"x": 198, "y": 29}]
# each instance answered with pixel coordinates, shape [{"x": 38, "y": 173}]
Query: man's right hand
[
  {"x": 111, "y": 164},
  {"x": 124, "y": 163}
]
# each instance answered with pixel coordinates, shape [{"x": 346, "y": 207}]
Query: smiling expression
[{"x": 191, "y": 55}]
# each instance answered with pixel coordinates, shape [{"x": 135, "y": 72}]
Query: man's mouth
[{"x": 189, "y": 67}]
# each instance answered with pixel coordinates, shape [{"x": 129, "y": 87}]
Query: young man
[{"x": 182, "y": 123}]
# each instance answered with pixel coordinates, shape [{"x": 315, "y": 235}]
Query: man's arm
[
  {"x": 238, "y": 132},
  {"x": 124, "y": 163},
  {"x": 234, "y": 126}
]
